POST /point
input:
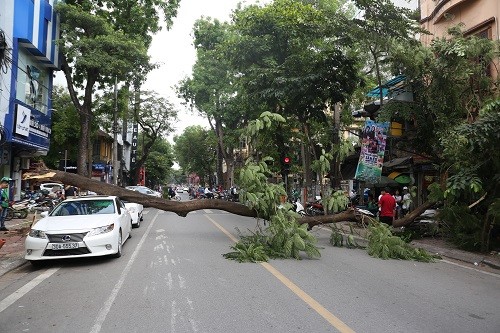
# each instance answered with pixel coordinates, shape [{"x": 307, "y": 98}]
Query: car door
[{"x": 124, "y": 218}]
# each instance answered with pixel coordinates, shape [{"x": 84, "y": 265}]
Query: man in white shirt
[{"x": 406, "y": 201}]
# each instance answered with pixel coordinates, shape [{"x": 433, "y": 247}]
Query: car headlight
[
  {"x": 101, "y": 230},
  {"x": 37, "y": 234}
]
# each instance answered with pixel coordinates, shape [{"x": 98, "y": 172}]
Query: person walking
[
  {"x": 387, "y": 205},
  {"x": 406, "y": 201},
  {"x": 4, "y": 203}
]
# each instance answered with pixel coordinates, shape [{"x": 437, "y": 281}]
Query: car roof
[{"x": 93, "y": 197}]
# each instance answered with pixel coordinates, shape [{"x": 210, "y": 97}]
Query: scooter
[
  {"x": 315, "y": 208},
  {"x": 16, "y": 210},
  {"x": 299, "y": 208}
]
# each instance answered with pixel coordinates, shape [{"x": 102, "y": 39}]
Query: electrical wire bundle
[{"x": 4, "y": 53}]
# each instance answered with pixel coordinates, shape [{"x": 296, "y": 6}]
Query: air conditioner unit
[{"x": 25, "y": 163}]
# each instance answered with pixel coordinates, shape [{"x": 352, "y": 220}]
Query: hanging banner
[
  {"x": 371, "y": 157},
  {"x": 135, "y": 141}
]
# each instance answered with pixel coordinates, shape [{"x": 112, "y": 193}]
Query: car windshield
[{"x": 84, "y": 207}]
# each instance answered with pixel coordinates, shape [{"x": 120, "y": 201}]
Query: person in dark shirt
[{"x": 69, "y": 192}]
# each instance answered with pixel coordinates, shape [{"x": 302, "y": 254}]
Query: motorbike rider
[
  {"x": 234, "y": 193},
  {"x": 171, "y": 192},
  {"x": 208, "y": 193}
]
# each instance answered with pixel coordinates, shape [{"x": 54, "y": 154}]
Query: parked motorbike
[
  {"x": 298, "y": 208},
  {"x": 314, "y": 208},
  {"x": 17, "y": 210}
]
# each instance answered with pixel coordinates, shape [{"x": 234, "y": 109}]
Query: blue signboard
[{"x": 30, "y": 127}]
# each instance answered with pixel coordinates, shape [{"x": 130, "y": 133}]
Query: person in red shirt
[{"x": 387, "y": 205}]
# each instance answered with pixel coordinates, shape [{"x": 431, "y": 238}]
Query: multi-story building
[
  {"x": 477, "y": 17},
  {"x": 28, "y": 56}
]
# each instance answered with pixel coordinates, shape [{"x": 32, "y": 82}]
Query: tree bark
[{"x": 182, "y": 208}]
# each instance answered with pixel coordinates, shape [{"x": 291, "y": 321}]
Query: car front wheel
[
  {"x": 37, "y": 263},
  {"x": 118, "y": 253}
]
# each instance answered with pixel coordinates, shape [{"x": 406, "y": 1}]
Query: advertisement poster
[{"x": 371, "y": 157}]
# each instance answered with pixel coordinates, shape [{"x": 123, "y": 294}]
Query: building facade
[
  {"x": 477, "y": 17},
  {"x": 29, "y": 30}
]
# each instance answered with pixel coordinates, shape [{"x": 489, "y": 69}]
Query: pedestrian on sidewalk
[
  {"x": 406, "y": 202},
  {"x": 4, "y": 201},
  {"x": 387, "y": 205}
]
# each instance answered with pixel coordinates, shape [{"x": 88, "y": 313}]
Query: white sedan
[
  {"x": 144, "y": 190},
  {"x": 80, "y": 227},
  {"x": 135, "y": 211}
]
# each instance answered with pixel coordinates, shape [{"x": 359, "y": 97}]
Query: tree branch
[{"x": 182, "y": 208}]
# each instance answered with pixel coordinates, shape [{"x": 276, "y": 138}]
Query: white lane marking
[
  {"x": 170, "y": 281},
  {"x": 103, "y": 312},
  {"x": 207, "y": 211},
  {"x": 182, "y": 282},
  {"x": 9, "y": 300},
  {"x": 173, "y": 316}
]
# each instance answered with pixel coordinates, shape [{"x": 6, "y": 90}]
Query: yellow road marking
[{"x": 327, "y": 315}]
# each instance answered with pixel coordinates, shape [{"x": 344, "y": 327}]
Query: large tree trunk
[
  {"x": 182, "y": 208},
  {"x": 83, "y": 145}
]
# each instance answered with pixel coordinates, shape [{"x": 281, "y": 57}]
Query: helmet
[{"x": 5, "y": 179}]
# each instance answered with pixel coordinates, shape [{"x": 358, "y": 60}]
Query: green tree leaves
[{"x": 195, "y": 151}]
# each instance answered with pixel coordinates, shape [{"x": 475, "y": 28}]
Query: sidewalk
[
  {"x": 438, "y": 246},
  {"x": 12, "y": 253}
]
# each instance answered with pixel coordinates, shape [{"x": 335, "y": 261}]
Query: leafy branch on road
[{"x": 383, "y": 244}]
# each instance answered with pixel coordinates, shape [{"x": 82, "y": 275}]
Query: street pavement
[{"x": 12, "y": 252}]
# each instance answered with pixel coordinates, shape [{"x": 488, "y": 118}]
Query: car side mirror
[{"x": 44, "y": 214}]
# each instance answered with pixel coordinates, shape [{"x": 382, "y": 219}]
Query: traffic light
[{"x": 286, "y": 164}]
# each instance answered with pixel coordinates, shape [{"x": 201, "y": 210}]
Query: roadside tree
[
  {"x": 196, "y": 152},
  {"x": 101, "y": 42}
]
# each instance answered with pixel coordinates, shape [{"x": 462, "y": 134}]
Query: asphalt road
[{"x": 173, "y": 278}]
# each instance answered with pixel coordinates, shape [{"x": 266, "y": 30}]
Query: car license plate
[{"x": 64, "y": 246}]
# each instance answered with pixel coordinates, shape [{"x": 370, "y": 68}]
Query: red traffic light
[{"x": 286, "y": 160}]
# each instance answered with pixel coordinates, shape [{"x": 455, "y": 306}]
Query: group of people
[
  {"x": 390, "y": 207},
  {"x": 64, "y": 192}
]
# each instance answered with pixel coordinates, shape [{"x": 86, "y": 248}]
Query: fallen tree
[{"x": 182, "y": 208}]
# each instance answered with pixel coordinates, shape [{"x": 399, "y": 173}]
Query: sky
[{"x": 175, "y": 52}]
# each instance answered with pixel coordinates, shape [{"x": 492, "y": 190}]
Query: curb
[
  {"x": 11, "y": 264},
  {"x": 468, "y": 257},
  {"x": 491, "y": 264}
]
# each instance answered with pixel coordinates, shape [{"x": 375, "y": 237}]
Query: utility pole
[{"x": 115, "y": 137}]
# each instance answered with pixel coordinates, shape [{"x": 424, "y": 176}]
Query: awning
[
  {"x": 398, "y": 162},
  {"x": 386, "y": 87},
  {"x": 383, "y": 182},
  {"x": 399, "y": 177}
]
